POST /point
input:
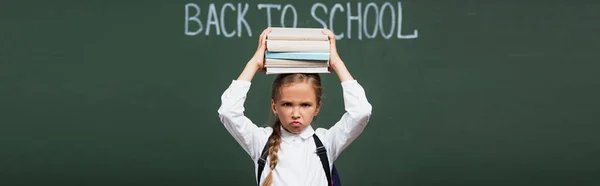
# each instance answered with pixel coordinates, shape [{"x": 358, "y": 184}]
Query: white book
[
  {"x": 313, "y": 34},
  {"x": 270, "y": 62},
  {"x": 297, "y": 46},
  {"x": 297, "y": 70}
]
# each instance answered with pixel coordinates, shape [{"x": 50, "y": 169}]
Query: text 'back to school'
[{"x": 356, "y": 20}]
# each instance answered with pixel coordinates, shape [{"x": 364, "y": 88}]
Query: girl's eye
[
  {"x": 305, "y": 105},
  {"x": 287, "y": 104}
]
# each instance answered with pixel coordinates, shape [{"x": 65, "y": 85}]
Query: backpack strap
[
  {"x": 322, "y": 153},
  {"x": 335, "y": 177},
  {"x": 261, "y": 162}
]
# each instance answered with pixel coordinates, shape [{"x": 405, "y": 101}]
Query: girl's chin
[{"x": 296, "y": 129}]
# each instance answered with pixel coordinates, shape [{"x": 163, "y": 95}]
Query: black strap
[
  {"x": 261, "y": 162},
  {"x": 322, "y": 153}
]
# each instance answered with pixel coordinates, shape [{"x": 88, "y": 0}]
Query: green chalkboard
[{"x": 464, "y": 92}]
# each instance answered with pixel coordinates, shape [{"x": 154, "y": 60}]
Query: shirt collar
[{"x": 305, "y": 134}]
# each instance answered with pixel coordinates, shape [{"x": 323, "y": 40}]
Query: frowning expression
[{"x": 296, "y": 106}]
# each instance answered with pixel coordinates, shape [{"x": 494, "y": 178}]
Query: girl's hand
[
  {"x": 334, "y": 57},
  {"x": 335, "y": 62},
  {"x": 259, "y": 56},
  {"x": 257, "y": 63}
]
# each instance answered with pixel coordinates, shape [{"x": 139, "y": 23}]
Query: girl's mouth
[{"x": 295, "y": 123}]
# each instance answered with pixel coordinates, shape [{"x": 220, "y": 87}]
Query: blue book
[{"x": 298, "y": 55}]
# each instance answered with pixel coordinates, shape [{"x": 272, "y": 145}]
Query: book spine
[
  {"x": 298, "y": 34},
  {"x": 297, "y": 37},
  {"x": 298, "y": 55},
  {"x": 297, "y": 46},
  {"x": 297, "y": 70},
  {"x": 269, "y": 61}
]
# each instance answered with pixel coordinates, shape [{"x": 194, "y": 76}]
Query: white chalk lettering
[
  {"x": 393, "y": 17},
  {"x": 365, "y": 20},
  {"x": 242, "y": 21},
  {"x": 225, "y": 33},
  {"x": 400, "y": 36},
  {"x": 314, "y": 15},
  {"x": 268, "y": 7},
  {"x": 212, "y": 20},
  {"x": 331, "y": 16},
  {"x": 193, "y": 18},
  {"x": 356, "y": 18},
  {"x": 283, "y": 13},
  {"x": 371, "y": 21}
]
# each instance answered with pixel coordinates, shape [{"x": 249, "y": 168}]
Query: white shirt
[{"x": 298, "y": 162}]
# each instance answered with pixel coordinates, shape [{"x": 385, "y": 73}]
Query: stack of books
[{"x": 297, "y": 50}]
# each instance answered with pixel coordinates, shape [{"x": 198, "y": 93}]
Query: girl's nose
[
  {"x": 295, "y": 117},
  {"x": 295, "y": 114}
]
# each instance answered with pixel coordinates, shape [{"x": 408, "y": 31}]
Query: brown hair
[{"x": 283, "y": 80}]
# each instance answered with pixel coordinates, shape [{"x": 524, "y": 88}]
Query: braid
[{"x": 274, "y": 141}]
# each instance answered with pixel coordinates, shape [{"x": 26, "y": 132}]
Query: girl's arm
[
  {"x": 335, "y": 62},
  {"x": 358, "y": 108},
  {"x": 231, "y": 111},
  {"x": 258, "y": 60}
]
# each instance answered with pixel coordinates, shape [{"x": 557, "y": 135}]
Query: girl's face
[{"x": 296, "y": 106}]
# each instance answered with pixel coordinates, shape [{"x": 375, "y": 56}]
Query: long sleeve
[
  {"x": 353, "y": 122},
  {"x": 231, "y": 114}
]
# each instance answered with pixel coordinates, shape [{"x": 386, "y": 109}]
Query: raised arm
[
  {"x": 258, "y": 60},
  {"x": 335, "y": 62},
  {"x": 356, "y": 105},
  {"x": 231, "y": 111}
]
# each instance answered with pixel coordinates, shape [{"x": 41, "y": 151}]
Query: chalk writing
[{"x": 369, "y": 21}]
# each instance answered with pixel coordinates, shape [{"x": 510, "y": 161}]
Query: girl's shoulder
[
  {"x": 322, "y": 133},
  {"x": 260, "y": 138},
  {"x": 263, "y": 132}
]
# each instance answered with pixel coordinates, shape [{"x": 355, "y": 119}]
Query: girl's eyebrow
[{"x": 301, "y": 101}]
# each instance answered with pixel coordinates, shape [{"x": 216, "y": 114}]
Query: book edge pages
[
  {"x": 297, "y": 46},
  {"x": 272, "y": 62},
  {"x": 296, "y": 70},
  {"x": 323, "y": 56},
  {"x": 281, "y": 33}
]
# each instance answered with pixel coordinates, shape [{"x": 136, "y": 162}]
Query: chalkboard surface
[{"x": 463, "y": 92}]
